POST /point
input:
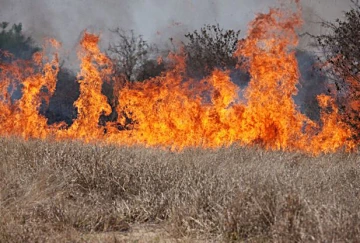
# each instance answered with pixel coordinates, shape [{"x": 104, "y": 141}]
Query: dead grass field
[{"x": 69, "y": 192}]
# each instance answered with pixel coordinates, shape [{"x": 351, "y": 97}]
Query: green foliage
[
  {"x": 14, "y": 41},
  {"x": 211, "y": 47}
]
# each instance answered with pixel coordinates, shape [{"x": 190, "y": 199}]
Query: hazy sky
[{"x": 155, "y": 19}]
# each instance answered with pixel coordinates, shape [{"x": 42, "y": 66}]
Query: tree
[
  {"x": 131, "y": 56},
  {"x": 14, "y": 41},
  {"x": 341, "y": 48},
  {"x": 211, "y": 47}
]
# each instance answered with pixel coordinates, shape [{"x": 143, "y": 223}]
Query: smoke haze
[{"x": 156, "y": 20}]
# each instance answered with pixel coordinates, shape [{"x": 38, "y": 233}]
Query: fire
[
  {"x": 169, "y": 111},
  {"x": 175, "y": 111},
  {"x": 95, "y": 66},
  {"x": 270, "y": 117},
  {"x": 21, "y": 117},
  {"x": 334, "y": 133}
]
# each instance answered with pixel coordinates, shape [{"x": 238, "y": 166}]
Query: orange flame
[
  {"x": 22, "y": 117},
  {"x": 271, "y": 117},
  {"x": 95, "y": 66},
  {"x": 173, "y": 110}
]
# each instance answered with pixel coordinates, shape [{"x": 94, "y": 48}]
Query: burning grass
[
  {"x": 71, "y": 192},
  {"x": 173, "y": 110},
  {"x": 57, "y": 190}
]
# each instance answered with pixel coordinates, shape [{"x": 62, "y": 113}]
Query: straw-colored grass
[{"x": 70, "y": 192}]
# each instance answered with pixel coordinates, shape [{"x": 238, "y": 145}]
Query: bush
[
  {"x": 211, "y": 47},
  {"x": 341, "y": 48}
]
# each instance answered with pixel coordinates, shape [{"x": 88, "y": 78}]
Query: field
[{"x": 71, "y": 192}]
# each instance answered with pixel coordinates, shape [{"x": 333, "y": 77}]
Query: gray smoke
[
  {"x": 316, "y": 11},
  {"x": 156, "y": 20},
  {"x": 65, "y": 20}
]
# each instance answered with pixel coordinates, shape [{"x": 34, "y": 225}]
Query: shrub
[
  {"x": 341, "y": 48},
  {"x": 211, "y": 47},
  {"x": 131, "y": 56}
]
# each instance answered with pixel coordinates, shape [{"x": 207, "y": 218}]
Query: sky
[{"x": 156, "y": 20}]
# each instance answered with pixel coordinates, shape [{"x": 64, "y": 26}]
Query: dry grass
[{"x": 68, "y": 192}]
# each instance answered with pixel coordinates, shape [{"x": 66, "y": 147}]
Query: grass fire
[
  {"x": 177, "y": 111},
  {"x": 217, "y": 138}
]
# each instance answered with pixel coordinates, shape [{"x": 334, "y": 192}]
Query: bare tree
[
  {"x": 133, "y": 60},
  {"x": 131, "y": 56}
]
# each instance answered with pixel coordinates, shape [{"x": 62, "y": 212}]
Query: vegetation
[
  {"x": 68, "y": 192},
  {"x": 133, "y": 57},
  {"x": 342, "y": 56},
  {"x": 18, "y": 45},
  {"x": 211, "y": 47},
  {"x": 14, "y": 41}
]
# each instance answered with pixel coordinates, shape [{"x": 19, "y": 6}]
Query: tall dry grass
[{"x": 69, "y": 192}]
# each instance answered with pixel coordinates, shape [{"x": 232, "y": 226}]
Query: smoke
[
  {"x": 65, "y": 20},
  {"x": 317, "y": 11},
  {"x": 156, "y": 20}
]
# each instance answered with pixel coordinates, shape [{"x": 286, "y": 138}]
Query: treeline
[{"x": 135, "y": 60}]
